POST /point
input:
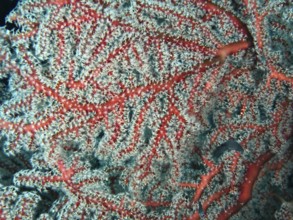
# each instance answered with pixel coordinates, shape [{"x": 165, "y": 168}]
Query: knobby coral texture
[{"x": 147, "y": 110}]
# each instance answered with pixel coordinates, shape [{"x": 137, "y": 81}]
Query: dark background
[{"x": 5, "y": 7}]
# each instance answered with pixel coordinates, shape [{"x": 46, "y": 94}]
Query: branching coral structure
[{"x": 143, "y": 109}]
